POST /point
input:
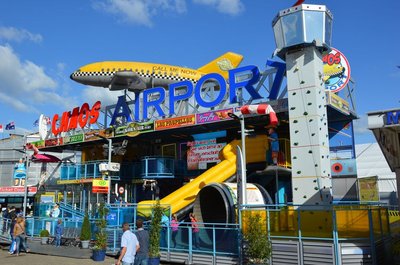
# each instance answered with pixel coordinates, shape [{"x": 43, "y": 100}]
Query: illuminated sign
[
  {"x": 244, "y": 77},
  {"x": 81, "y": 116},
  {"x": 175, "y": 122},
  {"x": 336, "y": 71},
  {"x": 17, "y": 189}
]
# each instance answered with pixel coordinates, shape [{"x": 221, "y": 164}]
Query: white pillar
[{"x": 309, "y": 140}]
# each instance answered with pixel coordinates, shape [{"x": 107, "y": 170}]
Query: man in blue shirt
[
  {"x": 129, "y": 246},
  {"x": 274, "y": 145}
]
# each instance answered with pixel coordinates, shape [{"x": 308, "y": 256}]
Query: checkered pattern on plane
[{"x": 141, "y": 74}]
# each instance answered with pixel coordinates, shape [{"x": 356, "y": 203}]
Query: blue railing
[
  {"x": 148, "y": 167},
  {"x": 157, "y": 167},
  {"x": 79, "y": 171}
]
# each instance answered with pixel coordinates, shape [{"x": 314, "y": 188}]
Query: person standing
[
  {"x": 142, "y": 235},
  {"x": 174, "y": 228},
  {"x": 20, "y": 236},
  {"x": 195, "y": 230},
  {"x": 12, "y": 215},
  {"x": 59, "y": 232},
  {"x": 129, "y": 246},
  {"x": 274, "y": 145},
  {"x": 4, "y": 215}
]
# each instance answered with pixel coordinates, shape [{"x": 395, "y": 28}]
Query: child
[{"x": 59, "y": 232}]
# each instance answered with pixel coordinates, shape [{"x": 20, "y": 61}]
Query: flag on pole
[
  {"x": 10, "y": 126},
  {"x": 1, "y": 128},
  {"x": 36, "y": 123},
  {"x": 48, "y": 120}
]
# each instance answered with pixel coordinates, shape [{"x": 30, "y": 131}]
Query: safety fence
[{"x": 339, "y": 234}]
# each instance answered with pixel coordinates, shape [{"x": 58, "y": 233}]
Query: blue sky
[{"x": 43, "y": 42}]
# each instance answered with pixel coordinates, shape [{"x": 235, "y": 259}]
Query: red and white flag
[{"x": 1, "y": 128}]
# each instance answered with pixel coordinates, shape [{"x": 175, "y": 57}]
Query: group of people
[
  {"x": 14, "y": 223},
  {"x": 135, "y": 246}
]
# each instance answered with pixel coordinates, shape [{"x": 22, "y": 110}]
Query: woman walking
[{"x": 20, "y": 236}]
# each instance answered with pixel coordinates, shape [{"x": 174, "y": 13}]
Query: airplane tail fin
[{"x": 222, "y": 64}]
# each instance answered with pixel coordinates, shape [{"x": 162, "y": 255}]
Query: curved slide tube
[{"x": 181, "y": 198}]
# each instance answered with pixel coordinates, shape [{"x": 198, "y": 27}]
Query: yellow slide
[{"x": 255, "y": 152}]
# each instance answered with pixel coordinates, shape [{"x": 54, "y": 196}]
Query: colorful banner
[
  {"x": 213, "y": 116},
  {"x": 74, "y": 181},
  {"x": 17, "y": 189},
  {"x": 338, "y": 103},
  {"x": 135, "y": 128},
  {"x": 39, "y": 144},
  {"x": 202, "y": 152},
  {"x": 95, "y": 134},
  {"x": 336, "y": 71},
  {"x": 175, "y": 122},
  {"x": 51, "y": 142},
  {"x": 77, "y": 138},
  {"x": 20, "y": 170}
]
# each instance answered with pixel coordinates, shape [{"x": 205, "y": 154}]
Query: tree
[{"x": 155, "y": 229}]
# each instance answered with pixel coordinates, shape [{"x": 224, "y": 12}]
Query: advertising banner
[
  {"x": 95, "y": 134},
  {"x": 77, "y": 138},
  {"x": 133, "y": 129},
  {"x": 213, "y": 116},
  {"x": 17, "y": 189},
  {"x": 202, "y": 152},
  {"x": 175, "y": 122},
  {"x": 336, "y": 71},
  {"x": 51, "y": 142},
  {"x": 338, "y": 103}
]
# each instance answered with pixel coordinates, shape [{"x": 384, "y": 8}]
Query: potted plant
[
  {"x": 258, "y": 246},
  {"x": 99, "y": 249},
  {"x": 154, "y": 234},
  {"x": 44, "y": 235},
  {"x": 86, "y": 233}
]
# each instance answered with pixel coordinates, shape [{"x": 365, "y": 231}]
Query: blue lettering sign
[
  {"x": 125, "y": 112},
  {"x": 155, "y": 103},
  {"x": 392, "y": 117},
  {"x": 248, "y": 84},
  {"x": 273, "y": 94},
  {"x": 244, "y": 77},
  {"x": 197, "y": 91},
  {"x": 173, "y": 98}
]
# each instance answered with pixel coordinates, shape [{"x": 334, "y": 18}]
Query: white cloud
[
  {"x": 140, "y": 11},
  {"x": 361, "y": 125},
  {"x": 92, "y": 94},
  {"x": 18, "y": 35},
  {"x": 230, "y": 7},
  {"x": 25, "y": 85}
]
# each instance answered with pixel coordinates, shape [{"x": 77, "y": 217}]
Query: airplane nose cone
[{"x": 72, "y": 76}]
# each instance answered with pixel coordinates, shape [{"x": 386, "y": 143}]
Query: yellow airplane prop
[{"x": 137, "y": 76}]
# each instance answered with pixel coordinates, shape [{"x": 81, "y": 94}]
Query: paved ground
[
  {"x": 38, "y": 259},
  {"x": 49, "y": 254}
]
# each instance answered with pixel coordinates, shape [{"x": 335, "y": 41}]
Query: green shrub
[
  {"x": 86, "y": 232},
  {"x": 44, "y": 233},
  {"x": 258, "y": 248},
  {"x": 101, "y": 235},
  {"x": 155, "y": 229}
]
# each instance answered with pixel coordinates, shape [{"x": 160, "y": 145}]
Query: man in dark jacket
[{"x": 143, "y": 237}]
